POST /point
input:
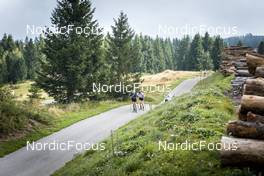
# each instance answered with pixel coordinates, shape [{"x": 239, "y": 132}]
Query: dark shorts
[
  {"x": 141, "y": 99},
  {"x": 134, "y": 99}
]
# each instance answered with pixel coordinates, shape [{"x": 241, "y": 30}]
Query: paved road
[
  {"x": 185, "y": 87},
  {"x": 30, "y": 162}
]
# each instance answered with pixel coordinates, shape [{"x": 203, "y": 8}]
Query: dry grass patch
[{"x": 167, "y": 77}]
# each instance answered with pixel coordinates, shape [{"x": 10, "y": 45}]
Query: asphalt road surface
[{"x": 29, "y": 162}]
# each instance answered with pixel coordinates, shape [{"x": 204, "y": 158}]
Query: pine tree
[
  {"x": 138, "y": 58},
  {"x": 159, "y": 57},
  {"x": 207, "y": 42},
  {"x": 16, "y": 67},
  {"x": 168, "y": 53},
  {"x": 175, "y": 48},
  {"x": 73, "y": 60},
  {"x": 31, "y": 59},
  {"x": 121, "y": 54},
  {"x": 216, "y": 52},
  {"x": 148, "y": 55},
  {"x": 183, "y": 53},
  {"x": 196, "y": 53},
  {"x": 205, "y": 63},
  {"x": 8, "y": 43},
  {"x": 261, "y": 48},
  {"x": 3, "y": 67}
]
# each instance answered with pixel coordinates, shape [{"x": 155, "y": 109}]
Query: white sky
[{"x": 166, "y": 18}]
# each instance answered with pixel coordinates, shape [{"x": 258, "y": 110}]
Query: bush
[{"x": 15, "y": 116}]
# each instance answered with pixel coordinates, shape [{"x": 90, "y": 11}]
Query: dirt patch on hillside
[{"x": 167, "y": 76}]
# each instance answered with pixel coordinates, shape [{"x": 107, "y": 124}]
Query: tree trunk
[
  {"x": 254, "y": 104},
  {"x": 254, "y": 62},
  {"x": 241, "y": 129},
  {"x": 246, "y": 152},
  {"x": 254, "y": 87},
  {"x": 260, "y": 72},
  {"x": 255, "y": 118}
]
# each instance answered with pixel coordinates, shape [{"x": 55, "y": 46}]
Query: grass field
[
  {"x": 169, "y": 79},
  {"x": 197, "y": 116},
  {"x": 65, "y": 115},
  {"x": 21, "y": 91}
]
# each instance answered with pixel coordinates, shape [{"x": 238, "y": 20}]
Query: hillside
[
  {"x": 247, "y": 40},
  {"x": 24, "y": 121},
  {"x": 201, "y": 115}
]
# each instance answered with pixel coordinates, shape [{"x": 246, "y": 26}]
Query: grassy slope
[
  {"x": 72, "y": 115},
  {"x": 62, "y": 119},
  {"x": 21, "y": 91},
  {"x": 201, "y": 115},
  {"x": 157, "y": 97}
]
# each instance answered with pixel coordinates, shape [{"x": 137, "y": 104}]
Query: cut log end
[{"x": 245, "y": 152}]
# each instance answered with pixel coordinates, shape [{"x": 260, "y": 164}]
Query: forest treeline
[
  {"x": 155, "y": 55},
  {"x": 65, "y": 65},
  {"x": 20, "y": 60}
]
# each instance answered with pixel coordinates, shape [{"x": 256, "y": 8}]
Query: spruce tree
[
  {"x": 138, "y": 57},
  {"x": 73, "y": 60},
  {"x": 159, "y": 58},
  {"x": 149, "y": 55},
  {"x": 121, "y": 54},
  {"x": 261, "y": 48},
  {"x": 196, "y": 53},
  {"x": 205, "y": 63},
  {"x": 31, "y": 59},
  {"x": 175, "y": 47},
  {"x": 207, "y": 42},
  {"x": 216, "y": 52},
  {"x": 8, "y": 43},
  {"x": 183, "y": 53},
  {"x": 168, "y": 52},
  {"x": 16, "y": 67},
  {"x": 3, "y": 67}
]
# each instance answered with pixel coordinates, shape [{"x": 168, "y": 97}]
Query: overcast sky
[{"x": 166, "y": 18}]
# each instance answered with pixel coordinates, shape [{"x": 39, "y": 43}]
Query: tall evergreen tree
[
  {"x": 3, "y": 67},
  {"x": 205, "y": 63},
  {"x": 261, "y": 48},
  {"x": 148, "y": 54},
  {"x": 73, "y": 60},
  {"x": 159, "y": 58},
  {"x": 8, "y": 43},
  {"x": 31, "y": 59},
  {"x": 175, "y": 47},
  {"x": 168, "y": 53},
  {"x": 138, "y": 59},
  {"x": 16, "y": 67},
  {"x": 216, "y": 52},
  {"x": 121, "y": 55},
  {"x": 183, "y": 53},
  {"x": 196, "y": 53},
  {"x": 207, "y": 42}
]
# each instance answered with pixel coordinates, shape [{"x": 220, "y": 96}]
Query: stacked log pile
[
  {"x": 247, "y": 133},
  {"x": 234, "y": 62}
]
